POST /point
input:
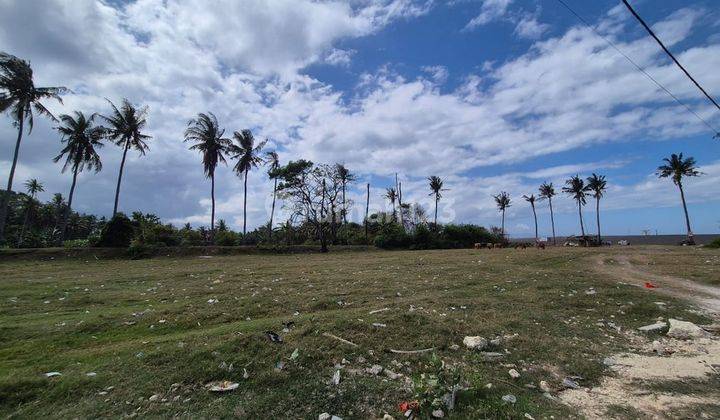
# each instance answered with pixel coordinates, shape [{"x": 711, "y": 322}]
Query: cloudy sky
[{"x": 491, "y": 95}]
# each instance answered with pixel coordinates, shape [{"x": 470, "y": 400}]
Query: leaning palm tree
[
  {"x": 597, "y": 185},
  {"x": 575, "y": 188},
  {"x": 81, "y": 137},
  {"x": 207, "y": 135},
  {"x": 33, "y": 187},
  {"x": 272, "y": 160},
  {"x": 19, "y": 96},
  {"x": 391, "y": 195},
  {"x": 531, "y": 199},
  {"x": 436, "y": 186},
  {"x": 547, "y": 192},
  {"x": 676, "y": 168},
  {"x": 248, "y": 156},
  {"x": 503, "y": 202},
  {"x": 125, "y": 126}
]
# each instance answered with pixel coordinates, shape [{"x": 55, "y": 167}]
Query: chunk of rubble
[
  {"x": 491, "y": 356},
  {"x": 514, "y": 373},
  {"x": 222, "y": 386},
  {"x": 509, "y": 398},
  {"x": 653, "y": 327},
  {"x": 685, "y": 330},
  {"x": 475, "y": 342},
  {"x": 374, "y": 370},
  {"x": 438, "y": 414}
]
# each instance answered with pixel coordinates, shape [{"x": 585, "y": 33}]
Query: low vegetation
[{"x": 145, "y": 337}]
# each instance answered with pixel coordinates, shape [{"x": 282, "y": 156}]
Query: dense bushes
[
  {"x": 449, "y": 236},
  {"x": 714, "y": 244},
  {"x": 117, "y": 233}
]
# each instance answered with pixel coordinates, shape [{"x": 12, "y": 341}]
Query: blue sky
[{"x": 491, "y": 95}]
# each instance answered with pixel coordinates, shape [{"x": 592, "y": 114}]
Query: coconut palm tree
[
  {"x": 207, "y": 135},
  {"x": 33, "y": 187},
  {"x": 272, "y": 160},
  {"x": 531, "y": 199},
  {"x": 436, "y": 186},
  {"x": 676, "y": 168},
  {"x": 502, "y": 201},
  {"x": 547, "y": 192},
  {"x": 81, "y": 138},
  {"x": 125, "y": 126},
  {"x": 575, "y": 188},
  {"x": 19, "y": 96},
  {"x": 391, "y": 195},
  {"x": 346, "y": 177},
  {"x": 248, "y": 156},
  {"x": 597, "y": 185}
]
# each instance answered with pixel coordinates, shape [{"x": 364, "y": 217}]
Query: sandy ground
[{"x": 664, "y": 360}]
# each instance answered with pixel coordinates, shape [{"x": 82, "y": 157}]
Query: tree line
[{"x": 315, "y": 194}]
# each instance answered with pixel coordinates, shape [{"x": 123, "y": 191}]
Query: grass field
[{"x": 153, "y": 335}]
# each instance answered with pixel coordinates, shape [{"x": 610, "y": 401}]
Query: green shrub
[
  {"x": 227, "y": 238},
  {"x": 138, "y": 250},
  {"x": 77, "y": 243},
  {"x": 714, "y": 244},
  {"x": 163, "y": 235},
  {"x": 393, "y": 236},
  {"x": 464, "y": 236},
  {"x": 117, "y": 233}
]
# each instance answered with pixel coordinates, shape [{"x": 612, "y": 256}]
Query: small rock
[
  {"x": 379, "y": 325},
  {"x": 374, "y": 370},
  {"x": 491, "y": 356},
  {"x": 569, "y": 383},
  {"x": 454, "y": 347},
  {"x": 438, "y": 414},
  {"x": 336, "y": 378},
  {"x": 544, "y": 386},
  {"x": 324, "y": 416},
  {"x": 653, "y": 327},
  {"x": 509, "y": 398},
  {"x": 514, "y": 373},
  {"x": 388, "y": 417},
  {"x": 475, "y": 342},
  {"x": 154, "y": 398},
  {"x": 52, "y": 374},
  {"x": 529, "y": 417},
  {"x": 609, "y": 361},
  {"x": 684, "y": 330}
]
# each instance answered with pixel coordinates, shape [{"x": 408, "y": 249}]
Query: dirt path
[
  {"x": 633, "y": 390},
  {"x": 705, "y": 297}
]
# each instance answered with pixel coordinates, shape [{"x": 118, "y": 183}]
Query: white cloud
[
  {"x": 529, "y": 28},
  {"x": 338, "y": 57},
  {"x": 489, "y": 11}
]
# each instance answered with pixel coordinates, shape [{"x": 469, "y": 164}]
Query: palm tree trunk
[
  {"x": 436, "y": 206},
  {"x": 25, "y": 221},
  {"x": 212, "y": 212},
  {"x": 582, "y": 226},
  {"x": 272, "y": 211},
  {"x": 552, "y": 221},
  {"x": 68, "y": 210},
  {"x": 394, "y": 212},
  {"x": 367, "y": 210},
  {"x": 6, "y": 196},
  {"x": 344, "y": 208},
  {"x": 245, "y": 205},
  {"x": 502, "y": 225},
  {"x": 536, "y": 227},
  {"x": 687, "y": 217},
  {"x": 117, "y": 189},
  {"x": 597, "y": 213}
]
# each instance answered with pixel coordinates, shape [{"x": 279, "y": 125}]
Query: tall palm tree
[
  {"x": 391, "y": 195},
  {"x": 531, "y": 199},
  {"x": 676, "y": 168},
  {"x": 345, "y": 178},
  {"x": 248, "y": 156},
  {"x": 436, "y": 186},
  {"x": 19, "y": 96},
  {"x": 547, "y": 192},
  {"x": 125, "y": 126},
  {"x": 207, "y": 135},
  {"x": 272, "y": 160},
  {"x": 575, "y": 188},
  {"x": 33, "y": 187},
  {"x": 502, "y": 201},
  {"x": 81, "y": 137},
  {"x": 597, "y": 185}
]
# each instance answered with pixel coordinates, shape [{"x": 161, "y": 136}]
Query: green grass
[{"x": 176, "y": 337}]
